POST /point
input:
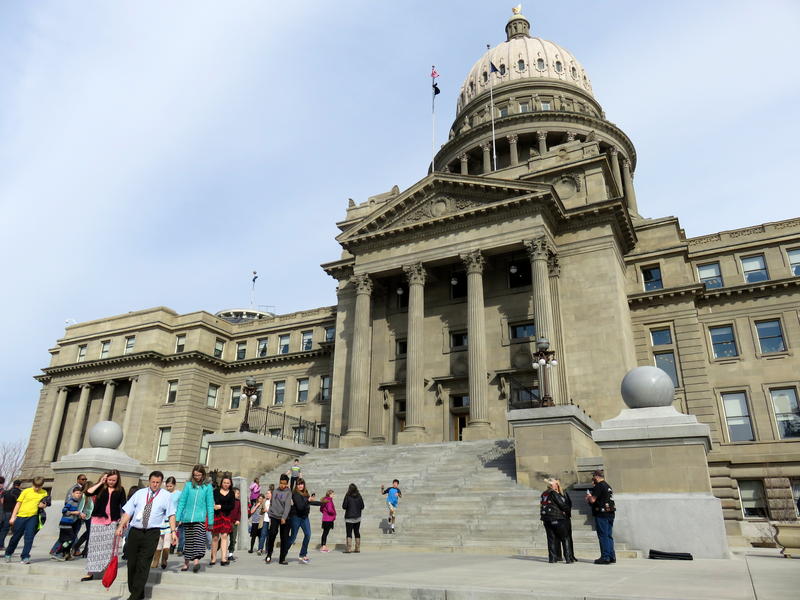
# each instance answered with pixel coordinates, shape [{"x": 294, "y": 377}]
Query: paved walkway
[{"x": 759, "y": 576}]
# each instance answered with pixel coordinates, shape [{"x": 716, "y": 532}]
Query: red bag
[{"x": 110, "y": 573}]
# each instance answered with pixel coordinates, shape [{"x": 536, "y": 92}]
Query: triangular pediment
[{"x": 441, "y": 197}]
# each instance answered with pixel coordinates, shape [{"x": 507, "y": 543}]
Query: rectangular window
[
  {"x": 524, "y": 107},
  {"x": 794, "y": 261},
  {"x": 545, "y": 105},
  {"x": 306, "y": 341},
  {"x": 710, "y": 275},
  {"x": 211, "y": 396},
  {"x": 325, "y": 388},
  {"x": 259, "y": 394},
  {"x": 280, "y": 391},
  {"x": 172, "y": 391},
  {"x": 754, "y": 503},
  {"x": 401, "y": 347},
  {"x": 666, "y": 362},
  {"x": 180, "y": 343},
  {"x": 504, "y": 111},
  {"x": 241, "y": 350},
  {"x": 796, "y": 495},
  {"x": 661, "y": 337},
  {"x": 275, "y": 431},
  {"x": 130, "y": 342},
  {"x": 302, "y": 390},
  {"x": 81, "y": 353},
  {"x": 459, "y": 401},
  {"x": 458, "y": 285},
  {"x": 283, "y": 344},
  {"x": 523, "y": 331},
  {"x": 723, "y": 341},
  {"x": 219, "y": 348},
  {"x": 299, "y": 434},
  {"x": 787, "y": 412},
  {"x": 236, "y": 392},
  {"x": 164, "y": 434},
  {"x": 203, "y": 458},
  {"x": 652, "y": 278},
  {"x": 519, "y": 273},
  {"x": 105, "y": 347},
  {"x": 323, "y": 436},
  {"x": 458, "y": 339},
  {"x": 770, "y": 336},
  {"x": 754, "y": 268},
  {"x": 737, "y": 416},
  {"x": 262, "y": 347},
  {"x": 330, "y": 334}
]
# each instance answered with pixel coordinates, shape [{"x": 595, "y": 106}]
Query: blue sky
[{"x": 155, "y": 153}]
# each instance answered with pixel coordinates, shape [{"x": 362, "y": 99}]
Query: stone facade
[{"x": 443, "y": 290}]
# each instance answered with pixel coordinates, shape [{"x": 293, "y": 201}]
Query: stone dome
[{"x": 522, "y": 57}]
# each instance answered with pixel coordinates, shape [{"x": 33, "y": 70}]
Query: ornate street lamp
[
  {"x": 249, "y": 395},
  {"x": 543, "y": 360}
]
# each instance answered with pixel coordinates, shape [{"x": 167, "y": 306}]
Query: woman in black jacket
[
  {"x": 109, "y": 498},
  {"x": 556, "y": 511},
  {"x": 298, "y": 516},
  {"x": 224, "y": 503},
  {"x": 353, "y": 505}
]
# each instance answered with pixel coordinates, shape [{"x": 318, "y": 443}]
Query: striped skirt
[
  {"x": 194, "y": 544},
  {"x": 100, "y": 546}
]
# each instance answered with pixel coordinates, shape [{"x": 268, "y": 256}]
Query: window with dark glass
[
  {"x": 164, "y": 433},
  {"x": 794, "y": 261},
  {"x": 754, "y": 268},
  {"x": 263, "y": 345},
  {"x": 259, "y": 394},
  {"x": 203, "y": 457},
  {"x": 401, "y": 293},
  {"x": 105, "y": 346},
  {"x": 770, "y": 336},
  {"x": 130, "y": 342},
  {"x": 180, "y": 343},
  {"x": 458, "y": 285},
  {"x": 401, "y": 347},
  {"x": 559, "y": 66},
  {"x": 737, "y": 417},
  {"x": 279, "y": 393},
  {"x": 521, "y": 65},
  {"x": 710, "y": 275},
  {"x": 219, "y": 348},
  {"x": 330, "y": 334},
  {"x": 211, "y": 396},
  {"x": 754, "y": 502},
  {"x": 485, "y": 77},
  {"x": 306, "y": 340},
  {"x": 524, "y": 107},
  {"x": 523, "y": 330},
  {"x": 458, "y": 339},
  {"x": 666, "y": 362},
  {"x": 302, "y": 390},
  {"x": 172, "y": 391},
  {"x": 236, "y": 393},
  {"x": 504, "y": 111},
  {"x": 283, "y": 344},
  {"x": 652, "y": 278},
  {"x": 723, "y": 341},
  {"x": 459, "y": 401},
  {"x": 502, "y": 69},
  {"x": 81, "y": 353},
  {"x": 787, "y": 412},
  {"x": 661, "y": 336},
  {"x": 325, "y": 388},
  {"x": 519, "y": 272},
  {"x": 539, "y": 64},
  {"x": 546, "y": 105},
  {"x": 241, "y": 350}
]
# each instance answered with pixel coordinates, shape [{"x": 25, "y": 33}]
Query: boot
[
  {"x": 156, "y": 556},
  {"x": 164, "y": 557},
  {"x": 358, "y": 545},
  {"x": 347, "y": 546}
]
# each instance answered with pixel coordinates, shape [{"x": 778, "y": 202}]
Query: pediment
[{"x": 439, "y": 198}]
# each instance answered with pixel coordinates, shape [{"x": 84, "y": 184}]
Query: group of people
[{"x": 555, "y": 507}]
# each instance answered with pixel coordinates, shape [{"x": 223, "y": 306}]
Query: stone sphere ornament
[
  {"x": 647, "y": 387},
  {"x": 106, "y": 434}
]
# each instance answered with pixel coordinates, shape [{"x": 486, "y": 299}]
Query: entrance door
[
  {"x": 399, "y": 425},
  {"x": 459, "y": 422}
]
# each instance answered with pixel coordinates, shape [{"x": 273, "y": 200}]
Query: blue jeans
[
  {"x": 297, "y": 523},
  {"x": 4, "y": 526},
  {"x": 262, "y": 538},
  {"x": 180, "y": 537},
  {"x": 27, "y": 526},
  {"x": 604, "y": 526}
]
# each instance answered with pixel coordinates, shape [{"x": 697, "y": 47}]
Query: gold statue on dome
[{"x": 517, "y": 9}]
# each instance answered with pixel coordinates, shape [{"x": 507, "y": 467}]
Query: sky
[{"x": 155, "y": 153}]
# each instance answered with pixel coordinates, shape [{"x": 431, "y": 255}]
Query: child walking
[
  {"x": 328, "y": 510},
  {"x": 256, "y": 521},
  {"x": 66, "y": 527},
  {"x": 393, "y": 495}
]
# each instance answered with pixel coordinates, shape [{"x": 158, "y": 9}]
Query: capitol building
[{"x": 524, "y": 241}]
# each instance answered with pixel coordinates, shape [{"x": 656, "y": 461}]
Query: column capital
[
  {"x": 541, "y": 134},
  {"x": 415, "y": 273},
  {"x": 486, "y": 146},
  {"x": 362, "y": 283},
  {"x": 513, "y": 138},
  {"x": 613, "y": 151},
  {"x": 473, "y": 261},
  {"x": 86, "y": 386},
  {"x": 463, "y": 157},
  {"x": 133, "y": 379},
  {"x": 109, "y": 382},
  {"x": 538, "y": 249},
  {"x": 62, "y": 388},
  {"x": 626, "y": 164}
]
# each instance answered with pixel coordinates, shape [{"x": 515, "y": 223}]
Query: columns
[
  {"x": 476, "y": 347},
  {"x": 415, "y": 354},
  {"x": 108, "y": 397},
  {"x": 358, "y": 410},
  {"x": 129, "y": 410},
  {"x": 539, "y": 251},
  {"x": 630, "y": 194},
  {"x": 464, "y": 158},
  {"x": 512, "y": 143},
  {"x": 55, "y": 425},
  {"x": 614, "y": 154},
  {"x": 80, "y": 417},
  {"x": 487, "y": 158},
  {"x": 541, "y": 137}
]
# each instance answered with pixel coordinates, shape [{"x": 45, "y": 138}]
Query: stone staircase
[{"x": 457, "y": 497}]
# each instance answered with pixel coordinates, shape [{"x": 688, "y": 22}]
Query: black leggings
[
  {"x": 353, "y": 530},
  {"x": 275, "y": 527},
  {"x": 326, "y": 528},
  {"x": 255, "y": 532}
]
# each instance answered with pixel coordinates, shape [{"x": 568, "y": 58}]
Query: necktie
[{"x": 148, "y": 506}]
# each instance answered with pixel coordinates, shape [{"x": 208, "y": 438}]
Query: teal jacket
[{"x": 196, "y": 504}]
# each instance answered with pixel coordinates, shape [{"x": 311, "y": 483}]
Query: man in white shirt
[{"x": 147, "y": 511}]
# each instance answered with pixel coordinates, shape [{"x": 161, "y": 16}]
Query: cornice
[
  {"x": 339, "y": 269},
  {"x": 750, "y": 288},
  {"x": 675, "y": 293}
]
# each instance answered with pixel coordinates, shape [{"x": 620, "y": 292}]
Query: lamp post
[
  {"x": 543, "y": 360},
  {"x": 249, "y": 395}
]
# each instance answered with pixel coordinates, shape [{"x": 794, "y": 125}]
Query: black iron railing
[
  {"x": 522, "y": 396},
  {"x": 276, "y": 423}
]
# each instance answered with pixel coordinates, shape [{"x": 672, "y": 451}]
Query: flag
[
  {"x": 436, "y": 89},
  {"x": 492, "y": 68},
  {"x": 434, "y": 72},
  {"x": 255, "y": 276}
]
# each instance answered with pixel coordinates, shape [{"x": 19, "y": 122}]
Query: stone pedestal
[
  {"x": 548, "y": 441},
  {"x": 655, "y": 460},
  {"x": 251, "y": 454}
]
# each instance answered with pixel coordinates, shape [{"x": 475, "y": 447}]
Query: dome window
[
  {"x": 502, "y": 70},
  {"x": 471, "y": 87},
  {"x": 521, "y": 65},
  {"x": 539, "y": 64},
  {"x": 485, "y": 77},
  {"x": 559, "y": 66},
  {"x": 574, "y": 73}
]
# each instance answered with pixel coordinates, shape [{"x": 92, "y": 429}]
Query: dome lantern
[{"x": 517, "y": 26}]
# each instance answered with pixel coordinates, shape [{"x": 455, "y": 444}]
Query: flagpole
[
  {"x": 491, "y": 108},
  {"x": 433, "y": 130}
]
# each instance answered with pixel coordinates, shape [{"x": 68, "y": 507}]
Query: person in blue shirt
[
  {"x": 393, "y": 495},
  {"x": 66, "y": 526},
  {"x": 147, "y": 511}
]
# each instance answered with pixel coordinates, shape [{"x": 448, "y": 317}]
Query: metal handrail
[{"x": 276, "y": 423}]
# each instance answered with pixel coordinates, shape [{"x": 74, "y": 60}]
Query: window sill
[
  {"x": 727, "y": 360},
  {"x": 773, "y": 355}
]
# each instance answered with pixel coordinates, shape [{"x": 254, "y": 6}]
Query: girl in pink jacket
[{"x": 328, "y": 510}]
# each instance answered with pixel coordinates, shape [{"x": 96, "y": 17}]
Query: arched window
[
  {"x": 540, "y": 64},
  {"x": 574, "y": 73},
  {"x": 485, "y": 77},
  {"x": 521, "y": 65},
  {"x": 559, "y": 66},
  {"x": 471, "y": 87},
  {"x": 502, "y": 69}
]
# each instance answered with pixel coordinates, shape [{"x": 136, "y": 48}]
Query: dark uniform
[
  {"x": 555, "y": 514},
  {"x": 603, "y": 510}
]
